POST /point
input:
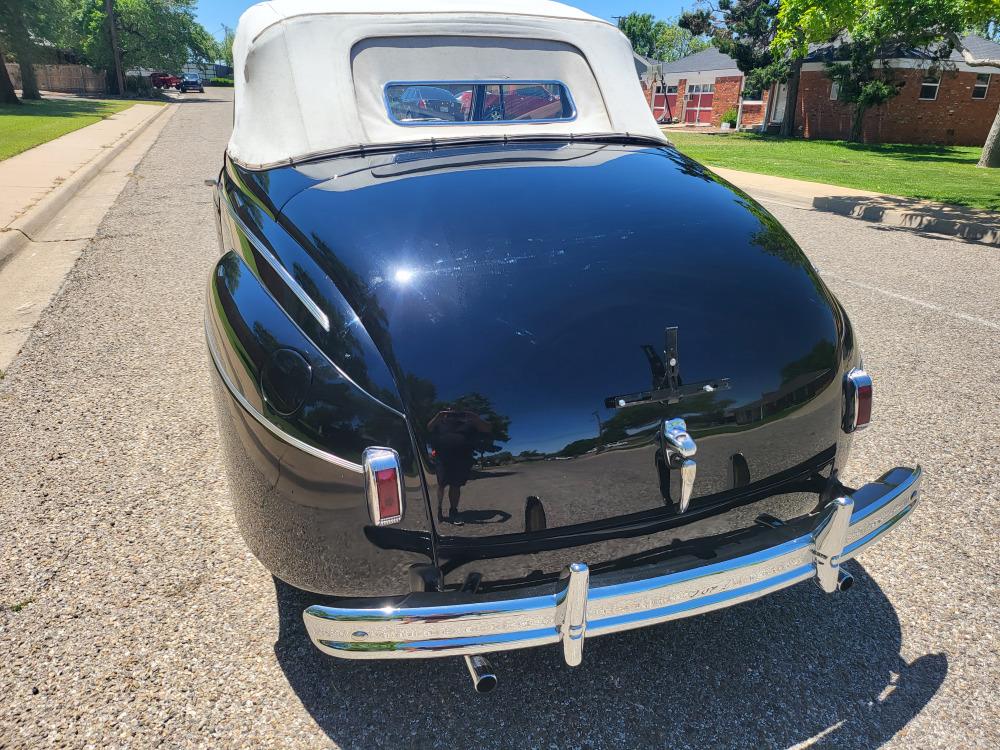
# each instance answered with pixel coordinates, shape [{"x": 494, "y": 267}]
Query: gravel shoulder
[{"x": 133, "y": 615}]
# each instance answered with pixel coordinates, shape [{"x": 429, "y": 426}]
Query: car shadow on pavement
[{"x": 795, "y": 666}]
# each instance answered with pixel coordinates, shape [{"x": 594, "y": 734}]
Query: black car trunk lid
[{"x": 517, "y": 292}]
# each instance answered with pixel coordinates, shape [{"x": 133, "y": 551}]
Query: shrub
[
  {"x": 730, "y": 117},
  {"x": 138, "y": 86},
  {"x": 220, "y": 81}
]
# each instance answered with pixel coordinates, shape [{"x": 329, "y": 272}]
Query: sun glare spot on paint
[{"x": 404, "y": 275}]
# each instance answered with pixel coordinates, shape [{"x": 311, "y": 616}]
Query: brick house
[
  {"x": 951, "y": 104},
  {"x": 699, "y": 89}
]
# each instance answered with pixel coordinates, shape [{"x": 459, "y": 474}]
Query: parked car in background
[
  {"x": 487, "y": 384},
  {"x": 164, "y": 81},
  {"x": 191, "y": 82},
  {"x": 516, "y": 101},
  {"x": 427, "y": 103}
]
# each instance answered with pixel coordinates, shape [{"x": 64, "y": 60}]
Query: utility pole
[{"x": 109, "y": 9}]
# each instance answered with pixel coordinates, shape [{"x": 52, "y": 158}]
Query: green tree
[
  {"x": 989, "y": 29},
  {"x": 226, "y": 46},
  {"x": 7, "y": 93},
  {"x": 745, "y": 30},
  {"x": 862, "y": 84},
  {"x": 885, "y": 25},
  {"x": 674, "y": 42},
  {"x": 658, "y": 39},
  {"x": 158, "y": 34},
  {"x": 641, "y": 30},
  {"x": 24, "y": 24}
]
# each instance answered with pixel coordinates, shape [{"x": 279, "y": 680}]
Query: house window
[
  {"x": 834, "y": 91},
  {"x": 671, "y": 89},
  {"x": 982, "y": 86},
  {"x": 929, "y": 88}
]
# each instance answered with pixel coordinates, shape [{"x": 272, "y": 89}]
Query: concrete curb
[
  {"x": 919, "y": 221},
  {"x": 968, "y": 225},
  {"x": 26, "y": 227}
]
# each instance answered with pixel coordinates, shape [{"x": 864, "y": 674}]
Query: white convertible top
[{"x": 310, "y": 74}]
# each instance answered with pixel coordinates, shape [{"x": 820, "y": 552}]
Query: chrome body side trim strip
[
  {"x": 444, "y": 624},
  {"x": 324, "y": 321},
  {"x": 343, "y": 463},
  {"x": 307, "y": 301}
]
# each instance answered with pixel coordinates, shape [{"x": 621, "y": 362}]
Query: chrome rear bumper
[{"x": 583, "y": 608}]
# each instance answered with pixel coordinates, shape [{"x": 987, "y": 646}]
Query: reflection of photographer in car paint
[{"x": 454, "y": 437}]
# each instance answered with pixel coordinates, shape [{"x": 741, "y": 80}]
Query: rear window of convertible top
[{"x": 457, "y": 102}]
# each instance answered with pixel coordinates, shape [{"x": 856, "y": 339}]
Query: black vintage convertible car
[{"x": 498, "y": 384}]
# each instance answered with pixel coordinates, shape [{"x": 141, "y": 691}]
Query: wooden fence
[{"x": 74, "y": 79}]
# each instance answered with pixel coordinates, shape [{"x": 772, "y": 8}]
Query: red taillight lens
[
  {"x": 864, "y": 406},
  {"x": 857, "y": 400},
  {"x": 387, "y": 484},
  {"x": 383, "y": 485}
]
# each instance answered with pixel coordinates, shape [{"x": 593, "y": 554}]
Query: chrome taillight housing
[
  {"x": 383, "y": 485},
  {"x": 857, "y": 400}
]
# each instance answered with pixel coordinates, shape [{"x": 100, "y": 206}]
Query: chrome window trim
[
  {"x": 283, "y": 436},
  {"x": 491, "y": 82},
  {"x": 314, "y": 309}
]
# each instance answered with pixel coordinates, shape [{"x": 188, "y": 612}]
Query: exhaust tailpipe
[
  {"x": 844, "y": 580},
  {"x": 483, "y": 677}
]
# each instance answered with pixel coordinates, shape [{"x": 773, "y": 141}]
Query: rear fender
[{"x": 294, "y": 428}]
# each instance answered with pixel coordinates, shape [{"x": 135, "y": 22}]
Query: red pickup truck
[
  {"x": 164, "y": 81},
  {"x": 515, "y": 102}
]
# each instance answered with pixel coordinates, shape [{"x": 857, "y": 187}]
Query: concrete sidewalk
[
  {"x": 969, "y": 224},
  {"x": 53, "y": 204},
  {"x": 30, "y": 181}
]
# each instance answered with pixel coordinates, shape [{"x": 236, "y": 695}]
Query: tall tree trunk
[
  {"x": 109, "y": 9},
  {"x": 21, "y": 44},
  {"x": 29, "y": 81},
  {"x": 991, "y": 149},
  {"x": 791, "y": 100},
  {"x": 7, "y": 93},
  {"x": 858, "y": 122}
]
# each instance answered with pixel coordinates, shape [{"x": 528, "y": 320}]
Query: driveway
[{"x": 134, "y": 616}]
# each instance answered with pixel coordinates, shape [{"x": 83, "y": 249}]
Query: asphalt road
[{"x": 133, "y": 615}]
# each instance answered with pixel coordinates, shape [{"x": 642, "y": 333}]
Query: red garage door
[
  {"x": 698, "y": 103},
  {"x": 665, "y": 102}
]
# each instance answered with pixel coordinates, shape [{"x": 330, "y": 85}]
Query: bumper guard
[{"x": 583, "y": 608}]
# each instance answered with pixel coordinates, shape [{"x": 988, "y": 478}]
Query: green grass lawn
[
  {"x": 946, "y": 174},
  {"x": 27, "y": 125}
]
